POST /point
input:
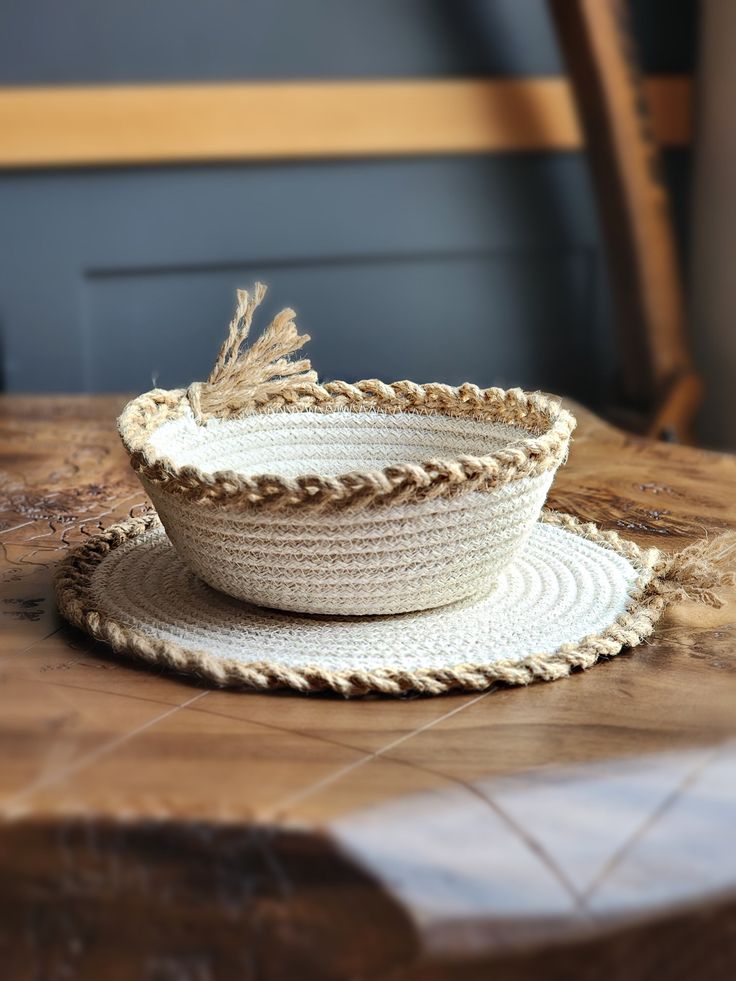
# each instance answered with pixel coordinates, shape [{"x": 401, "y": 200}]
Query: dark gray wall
[
  {"x": 485, "y": 268},
  {"x": 164, "y": 40}
]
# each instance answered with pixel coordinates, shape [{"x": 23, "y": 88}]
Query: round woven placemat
[{"x": 574, "y": 594}]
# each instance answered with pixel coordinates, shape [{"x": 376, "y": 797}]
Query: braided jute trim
[
  {"x": 693, "y": 573},
  {"x": 262, "y": 379}
]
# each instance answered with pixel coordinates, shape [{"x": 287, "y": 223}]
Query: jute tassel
[
  {"x": 243, "y": 377},
  {"x": 701, "y": 568}
]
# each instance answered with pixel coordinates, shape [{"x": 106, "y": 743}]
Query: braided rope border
[
  {"x": 549, "y": 427},
  {"x": 651, "y": 594}
]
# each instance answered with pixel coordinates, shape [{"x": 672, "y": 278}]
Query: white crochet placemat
[{"x": 575, "y": 593}]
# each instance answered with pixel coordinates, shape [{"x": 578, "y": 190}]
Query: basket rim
[{"x": 548, "y": 426}]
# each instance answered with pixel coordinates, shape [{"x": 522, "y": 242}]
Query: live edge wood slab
[{"x": 154, "y": 828}]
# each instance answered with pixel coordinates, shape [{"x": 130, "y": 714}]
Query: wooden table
[{"x": 153, "y": 828}]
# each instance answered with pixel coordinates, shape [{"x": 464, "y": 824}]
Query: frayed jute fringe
[
  {"x": 261, "y": 378},
  {"x": 245, "y": 377},
  {"x": 695, "y": 573}
]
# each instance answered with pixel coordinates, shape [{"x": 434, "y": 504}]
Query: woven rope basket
[{"x": 338, "y": 498}]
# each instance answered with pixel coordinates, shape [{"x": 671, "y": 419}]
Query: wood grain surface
[{"x": 154, "y": 828}]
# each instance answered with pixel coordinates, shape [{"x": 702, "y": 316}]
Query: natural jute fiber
[
  {"x": 573, "y": 595},
  {"x": 261, "y": 379},
  {"x": 398, "y": 523},
  {"x": 341, "y": 499}
]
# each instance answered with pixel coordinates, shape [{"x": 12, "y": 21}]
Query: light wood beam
[{"x": 188, "y": 123}]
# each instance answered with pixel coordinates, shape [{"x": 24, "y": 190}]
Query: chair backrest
[{"x": 659, "y": 382}]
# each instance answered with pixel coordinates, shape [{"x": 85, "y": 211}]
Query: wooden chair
[{"x": 660, "y": 388}]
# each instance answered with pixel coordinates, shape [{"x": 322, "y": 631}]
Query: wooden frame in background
[{"x": 198, "y": 123}]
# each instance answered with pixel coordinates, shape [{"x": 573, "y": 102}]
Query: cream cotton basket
[
  {"x": 341, "y": 499},
  {"x": 412, "y": 501}
]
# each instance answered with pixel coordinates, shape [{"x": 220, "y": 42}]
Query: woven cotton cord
[
  {"x": 261, "y": 378},
  {"x": 694, "y": 572},
  {"x": 376, "y": 560}
]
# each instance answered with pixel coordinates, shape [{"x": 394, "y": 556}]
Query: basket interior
[{"x": 290, "y": 444}]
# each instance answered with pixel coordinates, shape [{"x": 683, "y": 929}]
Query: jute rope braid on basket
[
  {"x": 384, "y": 538},
  {"x": 694, "y": 573},
  {"x": 262, "y": 379}
]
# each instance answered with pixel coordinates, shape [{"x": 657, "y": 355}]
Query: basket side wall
[{"x": 380, "y": 560}]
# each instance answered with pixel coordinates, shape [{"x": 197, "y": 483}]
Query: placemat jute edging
[{"x": 693, "y": 573}]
